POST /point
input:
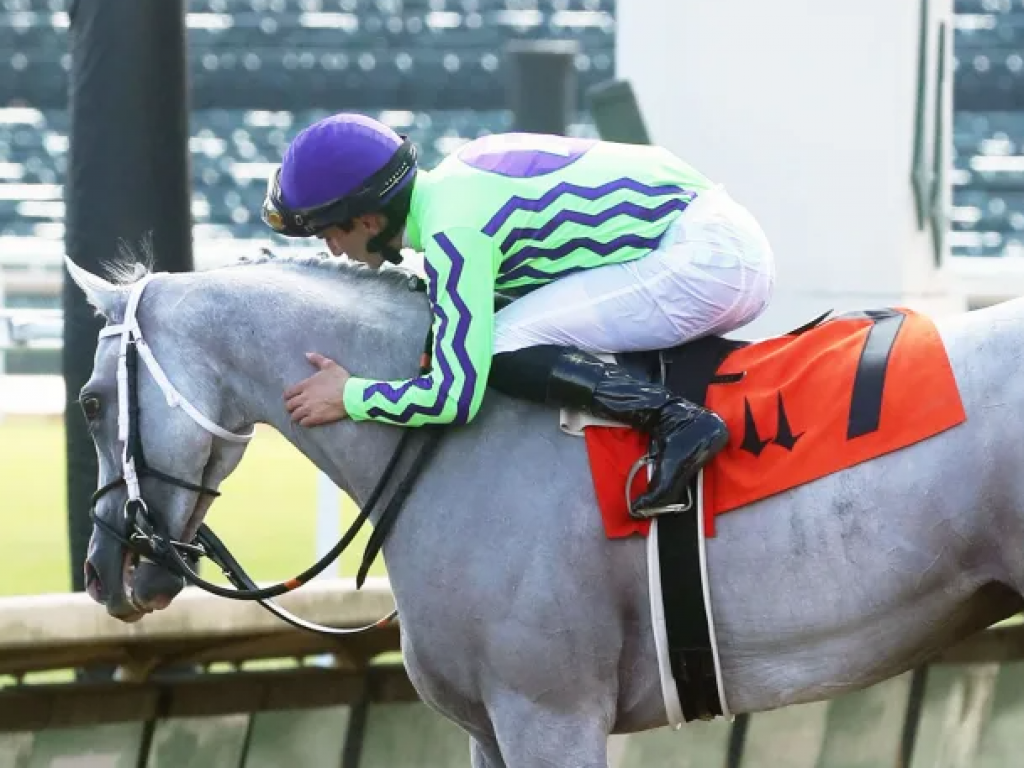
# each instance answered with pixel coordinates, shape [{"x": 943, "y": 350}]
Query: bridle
[{"x": 146, "y": 534}]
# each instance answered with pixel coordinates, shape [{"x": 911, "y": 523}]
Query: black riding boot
[{"x": 684, "y": 436}]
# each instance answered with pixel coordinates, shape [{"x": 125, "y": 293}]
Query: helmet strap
[
  {"x": 381, "y": 243},
  {"x": 391, "y": 254}
]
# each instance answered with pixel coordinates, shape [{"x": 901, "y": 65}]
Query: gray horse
[{"x": 520, "y": 620}]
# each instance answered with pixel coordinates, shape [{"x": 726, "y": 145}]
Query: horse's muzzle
[
  {"x": 154, "y": 587},
  {"x": 128, "y": 588},
  {"x": 107, "y": 571}
]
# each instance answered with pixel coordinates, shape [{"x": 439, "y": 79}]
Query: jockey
[{"x": 610, "y": 248}]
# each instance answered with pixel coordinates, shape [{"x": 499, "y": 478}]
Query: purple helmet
[{"x": 341, "y": 166}]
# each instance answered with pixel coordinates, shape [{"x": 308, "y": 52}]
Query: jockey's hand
[{"x": 318, "y": 399}]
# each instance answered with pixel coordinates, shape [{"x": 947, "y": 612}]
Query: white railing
[{"x": 30, "y": 329}]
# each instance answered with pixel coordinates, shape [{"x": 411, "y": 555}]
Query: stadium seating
[
  {"x": 290, "y": 54},
  {"x": 434, "y": 69},
  {"x": 988, "y": 191},
  {"x": 232, "y": 154},
  {"x": 967, "y": 7}
]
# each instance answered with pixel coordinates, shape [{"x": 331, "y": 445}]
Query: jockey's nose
[{"x": 333, "y": 245}]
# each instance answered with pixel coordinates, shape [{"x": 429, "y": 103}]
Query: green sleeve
[{"x": 459, "y": 265}]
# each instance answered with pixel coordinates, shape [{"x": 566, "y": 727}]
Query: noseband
[{"x": 146, "y": 535}]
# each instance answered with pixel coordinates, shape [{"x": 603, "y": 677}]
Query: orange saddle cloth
[{"x": 800, "y": 407}]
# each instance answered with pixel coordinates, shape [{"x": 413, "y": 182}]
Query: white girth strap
[{"x": 129, "y": 330}]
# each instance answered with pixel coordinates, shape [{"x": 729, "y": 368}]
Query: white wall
[{"x": 805, "y": 110}]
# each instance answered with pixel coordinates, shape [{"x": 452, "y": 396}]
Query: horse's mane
[{"x": 132, "y": 264}]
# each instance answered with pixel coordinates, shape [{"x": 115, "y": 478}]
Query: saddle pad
[
  {"x": 854, "y": 388},
  {"x": 612, "y": 452},
  {"x": 800, "y": 407}
]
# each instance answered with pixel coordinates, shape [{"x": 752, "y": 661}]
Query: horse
[{"x": 521, "y": 621}]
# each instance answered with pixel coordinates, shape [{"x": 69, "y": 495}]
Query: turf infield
[{"x": 266, "y": 513}]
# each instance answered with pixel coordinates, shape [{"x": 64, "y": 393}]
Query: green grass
[{"x": 266, "y": 514}]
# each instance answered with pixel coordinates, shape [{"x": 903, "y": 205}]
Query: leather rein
[{"x": 145, "y": 534}]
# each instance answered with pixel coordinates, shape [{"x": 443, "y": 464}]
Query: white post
[
  {"x": 5, "y": 340},
  {"x": 830, "y": 121},
  {"x": 328, "y": 521},
  {"x": 328, "y": 531}
]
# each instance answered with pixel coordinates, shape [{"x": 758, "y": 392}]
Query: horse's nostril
[{"x": 93, "y": 585}]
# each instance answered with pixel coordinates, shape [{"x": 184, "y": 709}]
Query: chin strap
[
  {"x": 390, "y": 254},
  {"x": 381, "y": 243}
]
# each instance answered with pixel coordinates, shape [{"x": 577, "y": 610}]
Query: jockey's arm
[{"x": 460, "y": 276}]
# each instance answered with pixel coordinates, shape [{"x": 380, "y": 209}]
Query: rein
[{"x": 146, "y": 534}]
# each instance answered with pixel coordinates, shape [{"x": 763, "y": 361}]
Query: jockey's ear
[{"x": 372, "y": 223}]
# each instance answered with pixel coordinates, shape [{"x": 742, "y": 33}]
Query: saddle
[
  {"x": 817, "y": 400},
  {"x": 687, "y": 369}
]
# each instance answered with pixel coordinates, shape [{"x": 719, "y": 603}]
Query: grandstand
[
  {"x": 988, "y": 193},
  {"x": 260, "y": 70}
]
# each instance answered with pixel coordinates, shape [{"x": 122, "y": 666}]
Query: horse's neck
[{"x": 270, "y": 359}]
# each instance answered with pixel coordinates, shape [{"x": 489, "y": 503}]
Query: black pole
[
  {"x": 616, "y": 112},
  {"x": 542, "y": 85},
  {"x": 128, "y": 179}
]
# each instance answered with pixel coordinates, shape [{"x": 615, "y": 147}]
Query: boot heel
[
  {"x": 647, "y": 513},
  {"x": 706, "y": 434}
]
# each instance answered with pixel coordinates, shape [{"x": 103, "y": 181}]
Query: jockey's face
[{"x": 353, "y": 243}]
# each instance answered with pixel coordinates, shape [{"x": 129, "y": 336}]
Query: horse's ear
[{"x": 107, "y": 298}]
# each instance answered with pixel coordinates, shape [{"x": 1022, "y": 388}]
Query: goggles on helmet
[{"x": 368, "y": 198}]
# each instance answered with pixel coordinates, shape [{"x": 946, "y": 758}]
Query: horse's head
[
  {"x": 184, "y": 367},
  {"x": 166, "y": 433}
]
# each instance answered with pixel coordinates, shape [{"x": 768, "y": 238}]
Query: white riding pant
[{"x": 712, "y": 273}]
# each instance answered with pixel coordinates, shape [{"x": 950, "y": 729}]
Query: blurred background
[
  {"x": 235, "y": 80},
  {"x": 257, "y": 72}
]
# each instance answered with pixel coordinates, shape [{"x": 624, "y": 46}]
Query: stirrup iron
[{"x": 685, "y": 506}]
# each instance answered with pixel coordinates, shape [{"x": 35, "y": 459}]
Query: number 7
[{"x": 869, "y": 380}]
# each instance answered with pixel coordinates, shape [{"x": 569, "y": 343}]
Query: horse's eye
[{"x": 91, "y": 407}]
